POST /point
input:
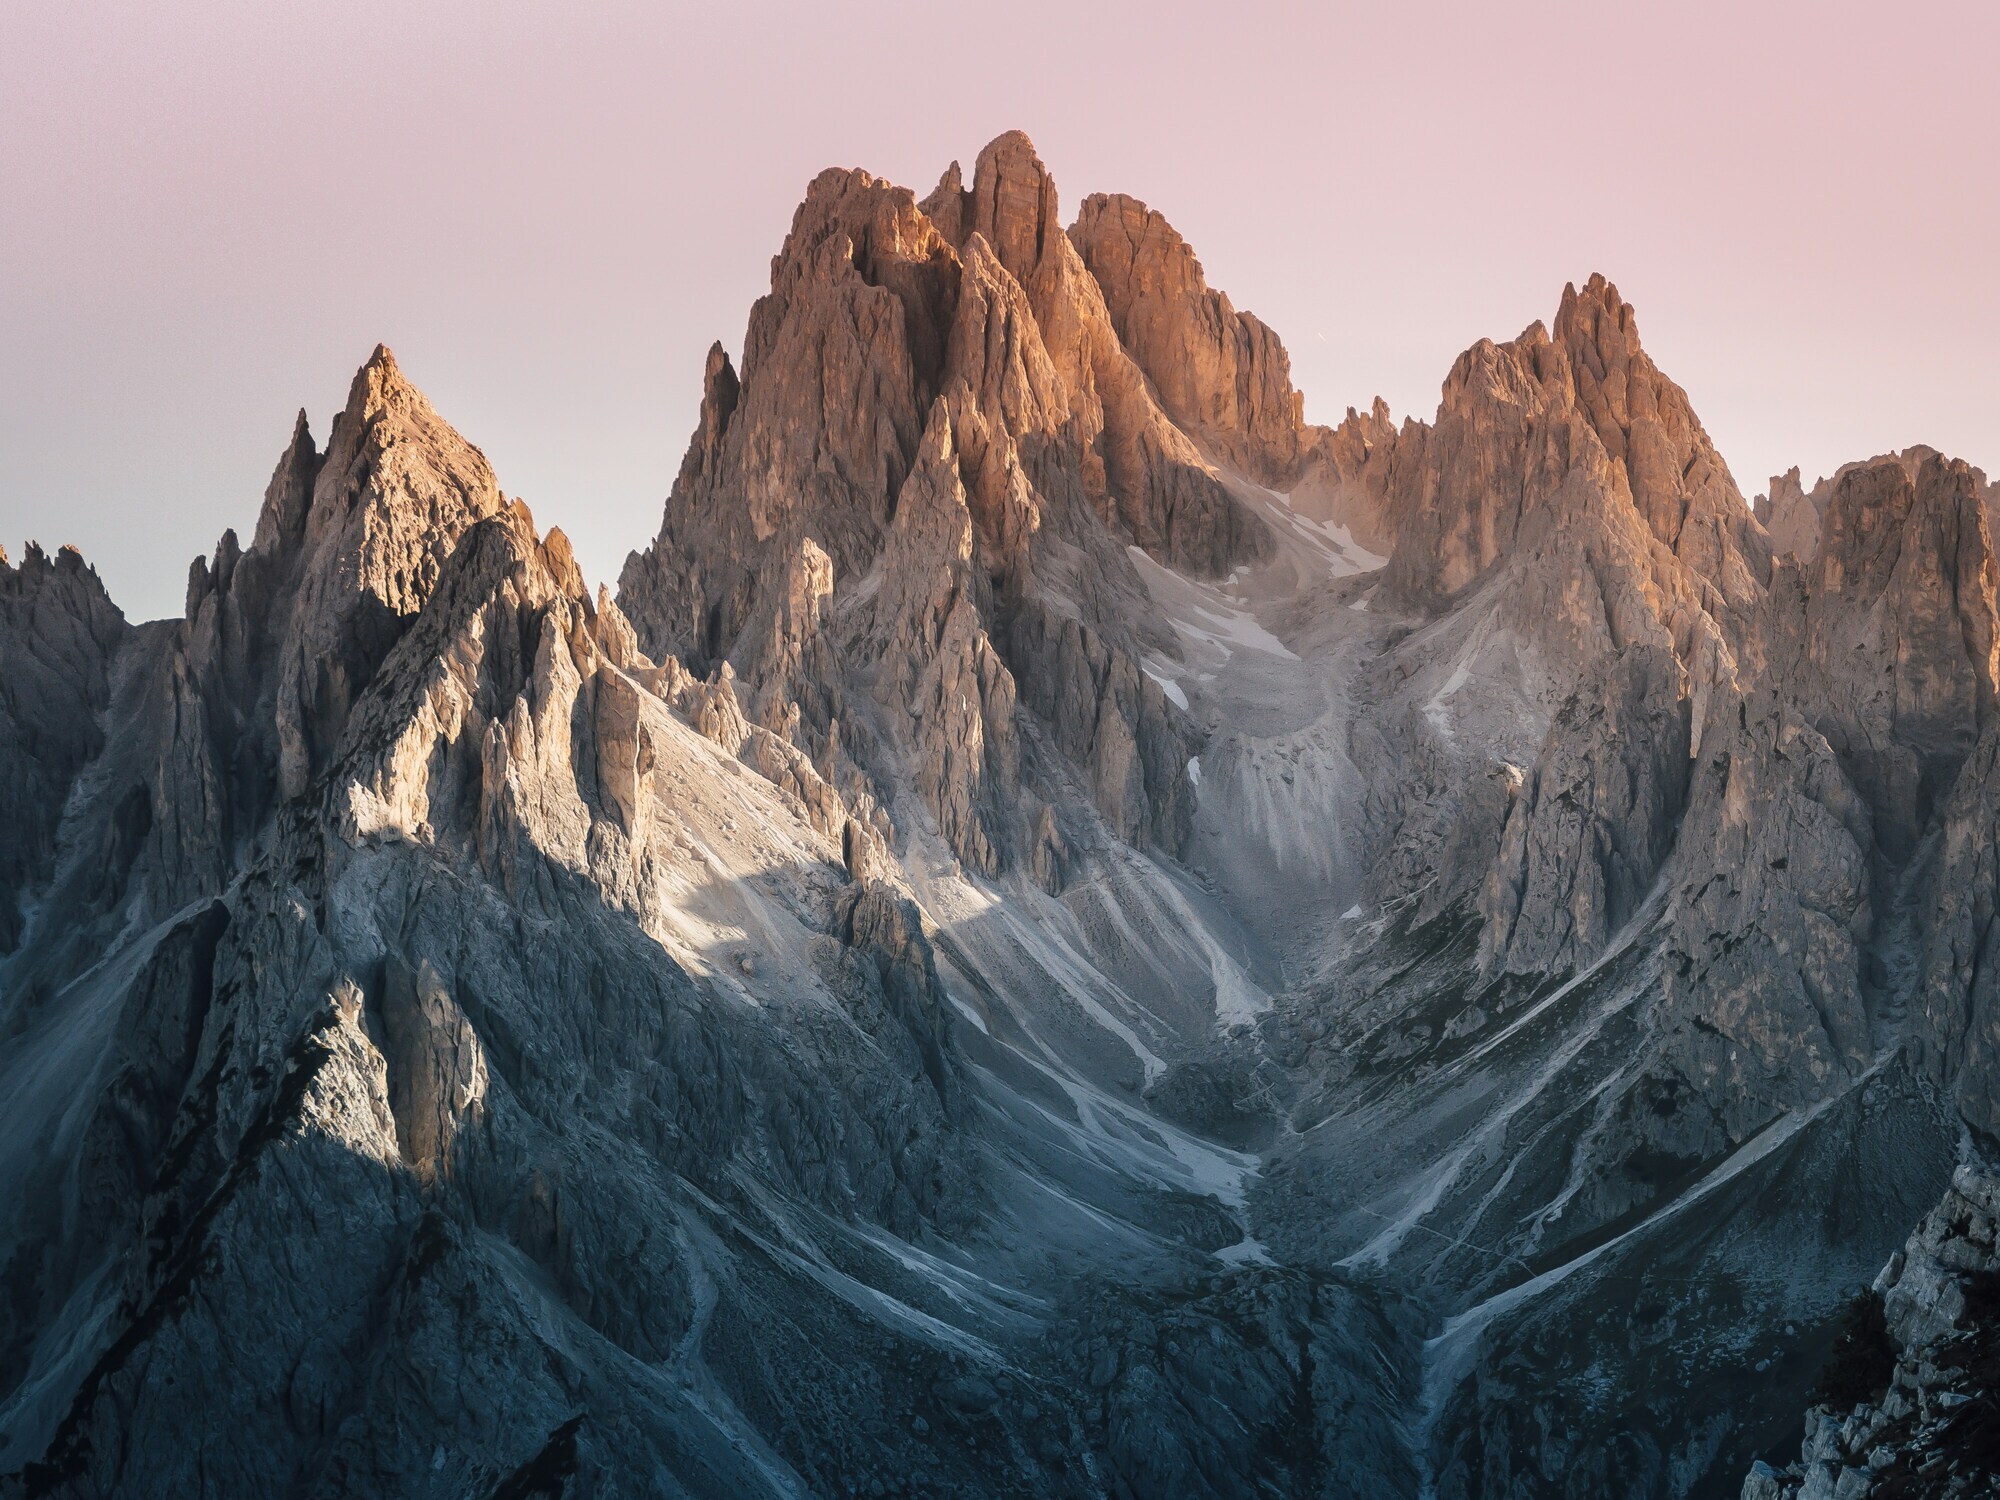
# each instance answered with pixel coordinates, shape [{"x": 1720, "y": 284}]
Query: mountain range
[{"x": 1063, "y": 931}]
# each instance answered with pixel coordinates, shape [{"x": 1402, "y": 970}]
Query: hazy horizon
[{"x": 549, "y": 218}]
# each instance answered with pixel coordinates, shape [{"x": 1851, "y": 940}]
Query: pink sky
[{"x": 213, "y": 211}]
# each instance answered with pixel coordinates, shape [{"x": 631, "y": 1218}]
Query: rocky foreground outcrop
[
  {"x": 1926, "y": 1426},
  {"x": 1065, "y": 932}
]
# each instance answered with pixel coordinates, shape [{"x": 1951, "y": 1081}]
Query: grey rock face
[
  {"x": 1954, "y": 1001},
  {"x": 1891, "y": 640},
  {"x": 938, "y": 671},
  {"x": 59, "y": 633},
  {"x": 1221, "y": 375},
  {"x": 1794, "y": 515},
  {"x": 1590, "y": 830},
  {"x": 1771, "y": 915},
  {"x": 1357, "y": 474},
  {"x": 436, "y": 1066},
  {"x": 1791, "y": 516},
  {"x": 1138, "y": 466},
  {"x": 460, "y": 1067},
  {"x": 393, "y": 494}
]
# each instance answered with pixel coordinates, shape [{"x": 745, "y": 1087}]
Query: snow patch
[
  {"x": 1246, "y": 1251},
  {"x": 1238, "y": 1002},
  {"x": 1168, "y": 686},
  {"x": 1230, "y": 630},
  {"x": 1204, "y": 614},
  {"x": 1331, "y": 542}
]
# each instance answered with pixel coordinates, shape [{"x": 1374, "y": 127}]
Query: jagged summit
[
  {"x": 393, "y": 492},
  {"x": 34, "y": 557},
  {"x": 1517, "y": 419},
  {"x": 879, "y": 310},
  {"x": 1013, "y": 203},
  {"x": 1221, "y": 375},
  {"x": 1793, "y": 515}
]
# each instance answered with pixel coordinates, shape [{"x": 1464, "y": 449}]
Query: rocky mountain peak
[
  {"x": 56, "y": 592},
  {"x": 1516, "y": 419},
  {"x": 393, "y": 493},
  {"x": 880, "y": 309},
  {"x": 1677, "y": 480},
  {"x": 1790, "y": 516},
  {"x": 1597, "y": 302},
  {"x": 390, "y": 450},
  {"x": 839, "y": 361},
  {"x": 288, "y": 497},
  {"x": 1895, "y": 647},
  {"x": 1793, "y": 514},
  {"x": 1015, "y": 205},
  {"x": 1140, "y": 471},
  {"x": 1359, "y": 474},
  {"x": 948, "y": 204},
  {"x": 36, "y": 567},
  {"x": 1877, "y": 512},
  {"x": 1223, "y": 376},
  {"x": 720, "y": 391}
]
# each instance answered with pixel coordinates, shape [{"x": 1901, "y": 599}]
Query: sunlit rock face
[{"x": 1064, "y": 930}]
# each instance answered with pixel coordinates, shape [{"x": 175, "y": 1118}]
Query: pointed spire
[
  {"x": 395, "y": 491},
  {"x": 949, "y": 204},
  {"x": 289, "y": 494},
  {"x": 719, "y": 391}
]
